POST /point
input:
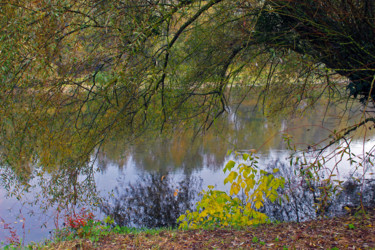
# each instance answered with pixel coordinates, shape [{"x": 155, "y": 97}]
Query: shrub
[{"x": 218, "y": 209}]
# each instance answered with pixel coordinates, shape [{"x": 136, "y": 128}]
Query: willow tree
[
  {"x": 75, "y": 73},
  {"x": 339, "y": 34}
]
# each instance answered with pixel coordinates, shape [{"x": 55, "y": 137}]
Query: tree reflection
[
  {"x": 65, "y": 190},
  {"x": 304, "y": 200},
  {"x": 155, "y": 200},
  {"x": 248, "y": 128}
]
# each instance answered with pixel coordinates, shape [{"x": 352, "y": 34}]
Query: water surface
[{"x": 149, "y": 183}]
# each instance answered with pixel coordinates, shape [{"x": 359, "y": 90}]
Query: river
[{"x": 149, "y": 182}]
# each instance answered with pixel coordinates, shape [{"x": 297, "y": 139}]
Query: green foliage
[
  {"x": 10, "y": 247},
  {"x": 218, "y": 209}
]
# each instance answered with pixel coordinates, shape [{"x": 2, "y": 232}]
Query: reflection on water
[
  {"x": 155, "y": 200},
  {"x": 143, "y": 177},
  {"x": 309, "y": 198}
]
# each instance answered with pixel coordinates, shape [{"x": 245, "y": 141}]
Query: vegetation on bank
[
  {"x": 337, "y": 233},
  {"x": 355, "y": 231}
]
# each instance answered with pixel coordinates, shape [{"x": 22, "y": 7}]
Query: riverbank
[{"x": 348, "y": 232}]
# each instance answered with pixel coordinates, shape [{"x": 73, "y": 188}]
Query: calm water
[{"x": 137, "y": 183}]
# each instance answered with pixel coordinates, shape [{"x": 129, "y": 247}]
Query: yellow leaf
[
  {"x": 233, "y": 175},
  {"x": 235, "y": 188},
  {"x": 258, "y": 204}
]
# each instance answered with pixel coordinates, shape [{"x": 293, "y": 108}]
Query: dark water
[{"x": 152, "y": 182}]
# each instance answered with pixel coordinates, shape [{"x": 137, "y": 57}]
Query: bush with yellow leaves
[{"x": 217, "y": 209}]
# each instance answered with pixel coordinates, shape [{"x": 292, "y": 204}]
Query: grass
[{"x": 92, "y": 231}]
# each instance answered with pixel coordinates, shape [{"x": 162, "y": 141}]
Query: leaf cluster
[{"x": 218, "y": 209}]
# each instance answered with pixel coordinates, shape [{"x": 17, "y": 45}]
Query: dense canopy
[{"x": 74, "y": 73}]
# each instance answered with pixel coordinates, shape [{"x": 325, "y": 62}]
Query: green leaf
[
  {"x": 245, "y": 156},
  {"x": 229, "y": 165}
]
